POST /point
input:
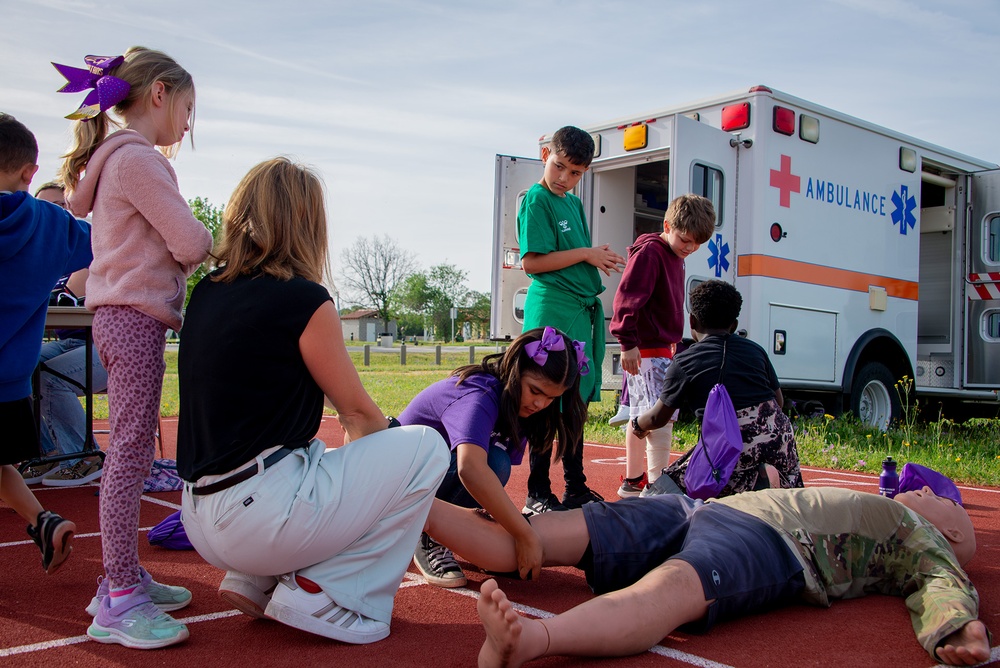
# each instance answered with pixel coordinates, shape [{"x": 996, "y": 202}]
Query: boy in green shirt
[{"x": 556, "y": 253}]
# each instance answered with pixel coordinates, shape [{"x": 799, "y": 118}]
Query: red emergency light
[
  {"x": 784, "y": 121},
  {"x": 736, "y": 116}
]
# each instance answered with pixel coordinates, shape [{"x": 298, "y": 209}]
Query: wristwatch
[
  {"x": 636, "y": 429},
  {"x": 393, "y": 422}
]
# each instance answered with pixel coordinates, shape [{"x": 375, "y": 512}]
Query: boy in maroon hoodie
[{"x": 649, "y": 320}]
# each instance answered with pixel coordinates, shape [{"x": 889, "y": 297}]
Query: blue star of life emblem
[
  {"x": 902, "y": 214},
  {"x": 717, "y": 260}
]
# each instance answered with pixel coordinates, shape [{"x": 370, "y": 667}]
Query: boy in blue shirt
[
  {"x": 39, "y": 243},
  {"x": 556, "y": 253}
]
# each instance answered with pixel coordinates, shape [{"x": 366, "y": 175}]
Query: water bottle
[{"x": 888, "y": 482}]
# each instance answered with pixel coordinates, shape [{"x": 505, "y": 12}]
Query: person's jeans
[
  {"x": 64, "y": 421},
  {"x": 453, "y": 491}
]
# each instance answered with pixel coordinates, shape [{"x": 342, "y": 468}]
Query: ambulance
[{"x": 867, "y": 259}]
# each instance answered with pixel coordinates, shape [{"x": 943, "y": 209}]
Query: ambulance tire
[{"x": 873, "y": 396}]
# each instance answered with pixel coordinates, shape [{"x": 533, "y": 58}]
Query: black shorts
[
  {"x": 742, "y": 562},
  {"x": 20, "y": 435}
]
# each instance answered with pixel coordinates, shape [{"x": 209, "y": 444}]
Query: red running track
[{"x": 43, "y": 623}]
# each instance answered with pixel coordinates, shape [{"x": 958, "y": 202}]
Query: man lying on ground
[{"x": 667, "y": 561}]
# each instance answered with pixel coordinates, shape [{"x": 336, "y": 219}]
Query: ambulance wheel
[{"x": 873, "y": 396}]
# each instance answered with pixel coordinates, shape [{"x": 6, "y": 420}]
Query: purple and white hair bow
[
  {"x": 552, "y": 341},
  {"x": 107, "y": 90}
]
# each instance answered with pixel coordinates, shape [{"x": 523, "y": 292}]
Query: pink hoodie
[{"x": 146, "y": 241}]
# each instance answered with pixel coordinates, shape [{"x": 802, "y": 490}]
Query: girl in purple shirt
[{"x": 488, "y": 413}]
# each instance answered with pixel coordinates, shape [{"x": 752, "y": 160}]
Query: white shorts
[{"x": 645, "y": 388}]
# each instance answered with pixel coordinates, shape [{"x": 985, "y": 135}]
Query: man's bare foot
[
  {"x": 966, "y": 647},
  {"x": 503, "y": 628}
]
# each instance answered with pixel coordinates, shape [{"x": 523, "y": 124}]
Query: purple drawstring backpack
[{"x": 719, "y": 447}]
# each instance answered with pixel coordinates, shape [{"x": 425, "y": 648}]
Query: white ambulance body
[{"x": 863, "y": 255}]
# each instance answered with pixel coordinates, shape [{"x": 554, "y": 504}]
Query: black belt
[{"x": 240, "y": 476}]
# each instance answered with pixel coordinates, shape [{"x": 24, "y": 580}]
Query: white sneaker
[
  {"x": 621, "y": 417},
  {"x": 301, "y": 604},
  {"x": 249, "y": 594}
]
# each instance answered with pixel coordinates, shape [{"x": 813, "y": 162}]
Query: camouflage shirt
[{"x": 854, "y": 543}]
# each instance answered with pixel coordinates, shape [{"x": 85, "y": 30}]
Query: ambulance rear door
[
  {"x": 509, "y": 285},
  {"x": 982, "y": 326},
  {"x": 704, "y": 162}
]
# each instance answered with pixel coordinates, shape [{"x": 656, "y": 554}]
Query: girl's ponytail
[{"x": 87, "y": 135}]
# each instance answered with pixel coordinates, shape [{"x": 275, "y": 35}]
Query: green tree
[
  {"x": 477, "y": 314},
  {"x": 211, "y": 217}
]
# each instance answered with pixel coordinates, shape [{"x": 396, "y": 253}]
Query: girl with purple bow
[
  {"x": 146, "y": 243},
  {"x": 529, "y": 395}
]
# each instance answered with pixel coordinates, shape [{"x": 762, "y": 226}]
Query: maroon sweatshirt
[{"x": 649, "y": 304}]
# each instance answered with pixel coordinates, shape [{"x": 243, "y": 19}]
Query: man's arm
[{"x": 966, "y": 647}]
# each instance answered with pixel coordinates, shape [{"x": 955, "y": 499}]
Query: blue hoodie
[{"x": 39, "y": 243}]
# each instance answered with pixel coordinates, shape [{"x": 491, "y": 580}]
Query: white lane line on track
[{"x": 65, "y": 642}]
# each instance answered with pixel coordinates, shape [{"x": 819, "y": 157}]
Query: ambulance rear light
[
  {"x": 809, "y": 129},
  {"x": 736, "y": 116},
  {"x": 784, "y": 121},
  {"x": 907, "y": 159}
]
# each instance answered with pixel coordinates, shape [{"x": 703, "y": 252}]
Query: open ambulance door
[
  {"x": 703, "y": 162},
  {"x": 982, "y": 290},
  {"x": 509, "y": 285}
]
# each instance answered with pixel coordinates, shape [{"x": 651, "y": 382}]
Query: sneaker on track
[
  {"x": 84, "y": 471},
  {"x": 135, "y": 623},
  {"x": 301, "y": 603},
  {"x": 165, "y": 597},
  {"x": 54, "y": 537},
  {"x": 437, "y": 564},
  {"x": 577, "y": 500},
  {"x": 249, "y": 594},
  {"x": 541, "y": 503},
  {"x": 632, "y": 487}
]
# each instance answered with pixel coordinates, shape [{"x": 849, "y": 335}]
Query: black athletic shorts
[
  {"x": 20, "y": 436},
  {"x": 743, "y": 563}
]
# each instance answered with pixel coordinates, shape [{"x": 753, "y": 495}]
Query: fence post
[
  {"x": 437, "y": 354},
  {"x": 402, "y": 354},
  {"x": 368, "y": 354},
  {"x": 472, "y": 354}
]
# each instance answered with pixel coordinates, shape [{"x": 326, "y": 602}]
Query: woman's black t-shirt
[
  {"x": 749, "y": 376},
  {"x": 243, "y": 384}
]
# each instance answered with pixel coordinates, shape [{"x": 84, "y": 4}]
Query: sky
[{"x": 402, "y": 105}]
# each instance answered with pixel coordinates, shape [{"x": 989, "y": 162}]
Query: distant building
[{"x": 364, "y": 325}]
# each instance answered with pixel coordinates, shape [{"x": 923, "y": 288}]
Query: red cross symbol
[{"x": 786, "y": 182}]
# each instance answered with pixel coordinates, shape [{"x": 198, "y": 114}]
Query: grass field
[{"x": 967, "y": 452}]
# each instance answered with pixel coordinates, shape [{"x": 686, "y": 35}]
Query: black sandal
[{"x": 53, "y": 535}]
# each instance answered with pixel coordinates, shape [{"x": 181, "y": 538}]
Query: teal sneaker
[
  {"x": 136, "y": 623},
  {"x": 164, "y": 597}
]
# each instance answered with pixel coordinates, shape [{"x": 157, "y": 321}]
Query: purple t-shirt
[{"x": 462, "y": 413}]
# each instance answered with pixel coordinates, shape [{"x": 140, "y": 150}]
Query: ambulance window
[
  {"x": 993, "y": 239},
  {"x": 707, "y": 182},
  {"x": 991, "y": 325}
]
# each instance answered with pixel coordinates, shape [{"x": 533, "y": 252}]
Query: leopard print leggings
[{"x": 131, "y": 346}]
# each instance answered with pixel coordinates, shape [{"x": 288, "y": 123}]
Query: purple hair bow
[
  {"x": 107, "y": 90},
  {"x": 552, "y": 341}
]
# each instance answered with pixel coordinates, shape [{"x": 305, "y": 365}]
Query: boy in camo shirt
[{"x": 672, "y": 561}]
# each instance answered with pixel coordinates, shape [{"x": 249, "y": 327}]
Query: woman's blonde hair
[
  {"x": 142, "y": 68},
  {"x": 275, "y": 223}
]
